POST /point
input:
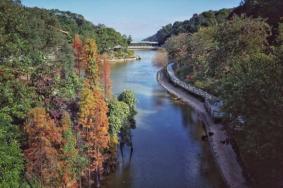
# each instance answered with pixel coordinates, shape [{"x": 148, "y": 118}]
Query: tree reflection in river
[{"x": 168, "y": 150}]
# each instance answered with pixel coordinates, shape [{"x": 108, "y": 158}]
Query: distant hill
[
  {"x": 204, "y": 19},
  {"x": 106, "y": 37}
]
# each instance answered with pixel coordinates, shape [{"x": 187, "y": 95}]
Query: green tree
[
  {"x": 238, "y": 39},
  {"x": 16, "y": 98},
  {"x": 73, "y": 162},
  {"x": 129, "y": 98},
  {"x": 118, "y": 116},
  {"x": 205, "y": 19},
  {"x": 11, "y": 156},
  {"x": 256, "y": 87}
]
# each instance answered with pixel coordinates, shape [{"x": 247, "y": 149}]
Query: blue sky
[{"x": 139, "y": 18}]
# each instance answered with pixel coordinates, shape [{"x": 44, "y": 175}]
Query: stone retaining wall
[
  {"x": 194, "y": 90},
  {"x": 224, "y": 155}
]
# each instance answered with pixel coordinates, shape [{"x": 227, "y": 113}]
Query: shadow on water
[{"x": 168, "y": 150}]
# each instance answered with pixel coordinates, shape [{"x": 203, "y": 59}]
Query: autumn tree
[
  {"x": 106, "y": 77},
  {"x": 80, "y": 54},
  {"x": 94, "y": 127},
  {"x": 92, "y": 69},
  {"x": 41, "y": 154}
]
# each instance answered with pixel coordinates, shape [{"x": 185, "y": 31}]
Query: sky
[{"x": 138, "y": 18}]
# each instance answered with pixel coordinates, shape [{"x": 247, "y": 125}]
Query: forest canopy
[
  {"x": 239, "y": 60},
  {"x": 55, "y": 93},
  {"x": 205, "y": 19}
]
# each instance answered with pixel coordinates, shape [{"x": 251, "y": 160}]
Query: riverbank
[
  {"x": 144, "y": 48},
  {"x": 166, "y": 135},
  {"x": 123, "y": 60},
  {"x": 224, "y": 155}
]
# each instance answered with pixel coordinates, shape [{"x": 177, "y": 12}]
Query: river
[{"x": 168, "y": 150}]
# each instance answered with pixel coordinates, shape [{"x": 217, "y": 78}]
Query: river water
[{"x": 168, "y": 150}]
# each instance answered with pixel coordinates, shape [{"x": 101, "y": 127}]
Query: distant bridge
[{"x": 144, "y": 45}]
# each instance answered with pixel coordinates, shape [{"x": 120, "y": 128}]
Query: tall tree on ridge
[
  {"x": 106, "y": 77},
  {"x": 92, "y": 68},
  {"x": 70, "y": 156},
  {"x": 93, "y": 123},
  {"x": 42, "y": 155},
  {"x": 79, "y": 53}
]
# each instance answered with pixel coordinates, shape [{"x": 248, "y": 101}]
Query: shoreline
[
  {"x": 123, "y": 60},
  {"x": 224, "y": 155},
  {"x": 144, "y": 48}
]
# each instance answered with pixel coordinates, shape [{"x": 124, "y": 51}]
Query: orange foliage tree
[
  {"x": 80, "y": 54},
  {"x": 92, "y": 57},
  {"x": 42, "y": 155},
  {"x": 93, "y": 123},
  {"x": 106, "y": 77},
  {"x": 52, "y": 155}
]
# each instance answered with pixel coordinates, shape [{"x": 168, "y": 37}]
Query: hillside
[
  {"x": 52, "y": 85},
  {"x": 106, "y": 38},
  {"x": 240, "y": 61},
  {"x": 192, "y": 25}
]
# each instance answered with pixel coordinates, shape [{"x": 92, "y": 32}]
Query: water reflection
[{"x": 168, "y": 150}]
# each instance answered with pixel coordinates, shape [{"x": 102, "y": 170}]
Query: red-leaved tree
[
  {"x": 42, "y": 153},
  {"x": 106, "y": 77},
  {"x": 80, "y": 54}
]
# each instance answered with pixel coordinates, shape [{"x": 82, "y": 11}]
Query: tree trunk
[
  {"x": 80, "y": 182},
  {"x": 97, "y": 178},
  {"x": 89, "y": 179}
]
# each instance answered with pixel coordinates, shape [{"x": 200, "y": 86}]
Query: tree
[
  {"x": 79, "y": 52},
  {"x": 129, "y": 39},
  {"x": 252, "y": 88},
  {"x": 119, "y": 113},
  {"x": 106, "y": 77},
  {"x": 16, "y": 98},
  {"x": 42, "y": 154},
  {"x": 238, "y": 39},
  {"x": 194, "y": 57},
  {"x": 129, "y": 98},
  {"x": 72, "y": 161},
  {"x": 202, "y": 47},
  {"x": 271, "y": 10},
  {"x": 41, "y": 50},
  {"x": 177, "y": 46},
  {"x": 94, "y": 127},
  {"x": 257, "y": 95},
  {"x": 92, "y": 69},
  {"x": 11, "y": 156},
  {"x": 108, "y": 38},
  {"x": 205, "y": 19}
]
